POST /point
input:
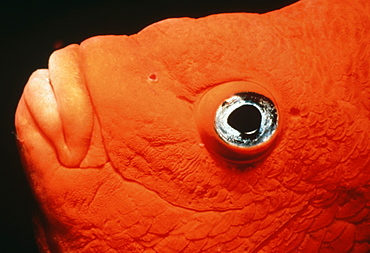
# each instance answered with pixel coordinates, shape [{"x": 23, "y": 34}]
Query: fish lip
[
  {"x": 39, "y": 97},
  {"x": 58, "y": 100}
]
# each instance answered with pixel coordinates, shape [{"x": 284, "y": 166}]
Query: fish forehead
[
  {"x": 278, "y": 49},
  {"x": 146, "y": 87}
]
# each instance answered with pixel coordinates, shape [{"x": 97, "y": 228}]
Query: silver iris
[{"x": 246, "y": 119}]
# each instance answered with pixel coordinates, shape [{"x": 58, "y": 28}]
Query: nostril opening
[
  {"x": 246, "y": 119},
  {"x": 153, "y": 77}
]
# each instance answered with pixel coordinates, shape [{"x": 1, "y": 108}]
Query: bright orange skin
[{"x": 118, "y": 158}]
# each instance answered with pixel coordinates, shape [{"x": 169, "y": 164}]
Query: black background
[{"x": 30, "y": 32}]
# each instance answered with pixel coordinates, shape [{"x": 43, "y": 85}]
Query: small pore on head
[
  {"x": 153, "y": 77},
  {"x": 294, "y": 111}
]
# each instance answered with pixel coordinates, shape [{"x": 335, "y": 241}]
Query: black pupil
[{"x": 246, "y": 119}]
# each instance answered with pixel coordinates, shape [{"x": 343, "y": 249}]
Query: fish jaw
[{"x": 59, "y": 104}]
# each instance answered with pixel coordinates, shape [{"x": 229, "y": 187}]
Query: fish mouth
[{"x": 59, "y": 103}]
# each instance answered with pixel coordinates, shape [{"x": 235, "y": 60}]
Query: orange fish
[{"x": 230, "y": 133}]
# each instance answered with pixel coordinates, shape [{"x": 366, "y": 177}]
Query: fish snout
[
  {"x": 238, "y": 121},
  {"x": 58, "y": 101}
]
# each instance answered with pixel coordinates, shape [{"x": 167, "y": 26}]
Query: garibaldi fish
[{"x": 234, "y": 132}]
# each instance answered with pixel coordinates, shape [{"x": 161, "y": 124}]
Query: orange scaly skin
[{"x": 117, "y": 140}]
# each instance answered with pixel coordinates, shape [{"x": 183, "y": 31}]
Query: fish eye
[
  {"x": 246, "y": 119},
  {"x": 238, "y": 121}
]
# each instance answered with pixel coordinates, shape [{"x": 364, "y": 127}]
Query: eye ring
[{"x": 225, "y": 135}]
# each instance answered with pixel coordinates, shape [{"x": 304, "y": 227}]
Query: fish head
[
  {"x": 252, "y": 119},
  {"x": 160, "y": 120}
]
